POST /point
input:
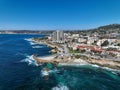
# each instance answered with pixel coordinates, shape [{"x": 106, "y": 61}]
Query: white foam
[
  {"x": 37, "y": 46},
  {"x": 109, "y": 69},
  {"x": 60, "y": 87},
  {"x": 30, "y": 40},
  {"x": 106, "y": 68},
  {"x": 30, "y": 60},
  {"x": 44, "y": 73},
  {"x": 114, "y": 73},
  {"x": 94, "y": 65},
  {"x": 32, "y": 43},
  {"x": 71, "y": 64}
]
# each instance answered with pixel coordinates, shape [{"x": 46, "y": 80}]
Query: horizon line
[{"x": 57, "y": 29}]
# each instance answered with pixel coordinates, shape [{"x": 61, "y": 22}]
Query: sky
[{"x": 58, "y": 14}]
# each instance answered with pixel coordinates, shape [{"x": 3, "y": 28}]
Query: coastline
[{"x": 77, "y": 62}]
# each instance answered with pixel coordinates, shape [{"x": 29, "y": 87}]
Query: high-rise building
[{"x": 58, "y": 36}]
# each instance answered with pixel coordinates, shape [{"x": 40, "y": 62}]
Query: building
[
  {"x": 75, "y": 35},
  {"x": 58, "y": 36}
]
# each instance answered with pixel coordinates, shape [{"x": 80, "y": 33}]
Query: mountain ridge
[{"x": 106, "y": 29}]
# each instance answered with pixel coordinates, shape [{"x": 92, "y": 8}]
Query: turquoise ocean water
[{"x": 18, "y": 71}]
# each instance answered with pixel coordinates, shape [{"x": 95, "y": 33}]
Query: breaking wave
[
  {"x": 30, "y": 41},
  {"x": 114, "y": 71},
  {"x": 44, "y": 73},
  {"x": 30, "y": 60},
  {"x": 52, "y": 71},
  {"x": 94, "y": 65},
  {"x": 37, "y": 46},
  {"x": 60, "y": 87}
]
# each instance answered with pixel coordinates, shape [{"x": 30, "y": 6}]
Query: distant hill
[
  {"x": 107, "y": 29},
  {"x": 25, "y": 32},
  {"x": 112, "y": 28}
]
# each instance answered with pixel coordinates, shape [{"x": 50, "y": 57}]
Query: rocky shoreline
[
  {"x": 81, "y": 61},
  {"x": 104, "y": 63}
]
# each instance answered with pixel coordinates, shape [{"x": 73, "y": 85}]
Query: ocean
[{"x": 18, "y": 70}]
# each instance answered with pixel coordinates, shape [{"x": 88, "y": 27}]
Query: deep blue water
[{"x": 17, "y": 72}]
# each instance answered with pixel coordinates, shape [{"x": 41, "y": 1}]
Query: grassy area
[{"x": 76, "y": 51}]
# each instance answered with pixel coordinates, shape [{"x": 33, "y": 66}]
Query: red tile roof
[{"x": 94, "y": 48}]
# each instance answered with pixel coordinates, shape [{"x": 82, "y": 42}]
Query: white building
[
  {"x": 58, "y": 36},
  {"x": 81, "y": 40},
  {"x": 75, "y": 35}
]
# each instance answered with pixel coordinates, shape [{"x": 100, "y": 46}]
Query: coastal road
[{"x": 66, "y": 51}]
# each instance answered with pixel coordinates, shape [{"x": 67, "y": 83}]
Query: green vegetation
[
  {"x": 76, "y": 51},
  {"x": 107, "y": 29},
  {"x": 94, "y": 43},
  {"x": 73, "y": 51},
  {"x": 118, "y": 44},
  {"x": 82, "y": 57},
  {"x": 105, "y": 43},
  {"x": 113, "y": 49},
  {"x": 112, "y": 54},
  {"x": 77, "y": 56}
]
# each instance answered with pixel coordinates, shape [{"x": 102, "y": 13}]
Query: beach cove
[{"x": 66, "y": 61}]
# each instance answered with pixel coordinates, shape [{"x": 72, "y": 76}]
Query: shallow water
[{"x": 18, "y": 70}]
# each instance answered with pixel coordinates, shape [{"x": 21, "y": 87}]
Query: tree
[
  {"x": 105, "y": 43},
  {"x": 118, "y": 44},
  {"x": 94, "y": 43}
]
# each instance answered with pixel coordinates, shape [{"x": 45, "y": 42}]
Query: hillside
[
  {"x": 112, "y": 28},
  {"x": 107, "y": 29}
]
